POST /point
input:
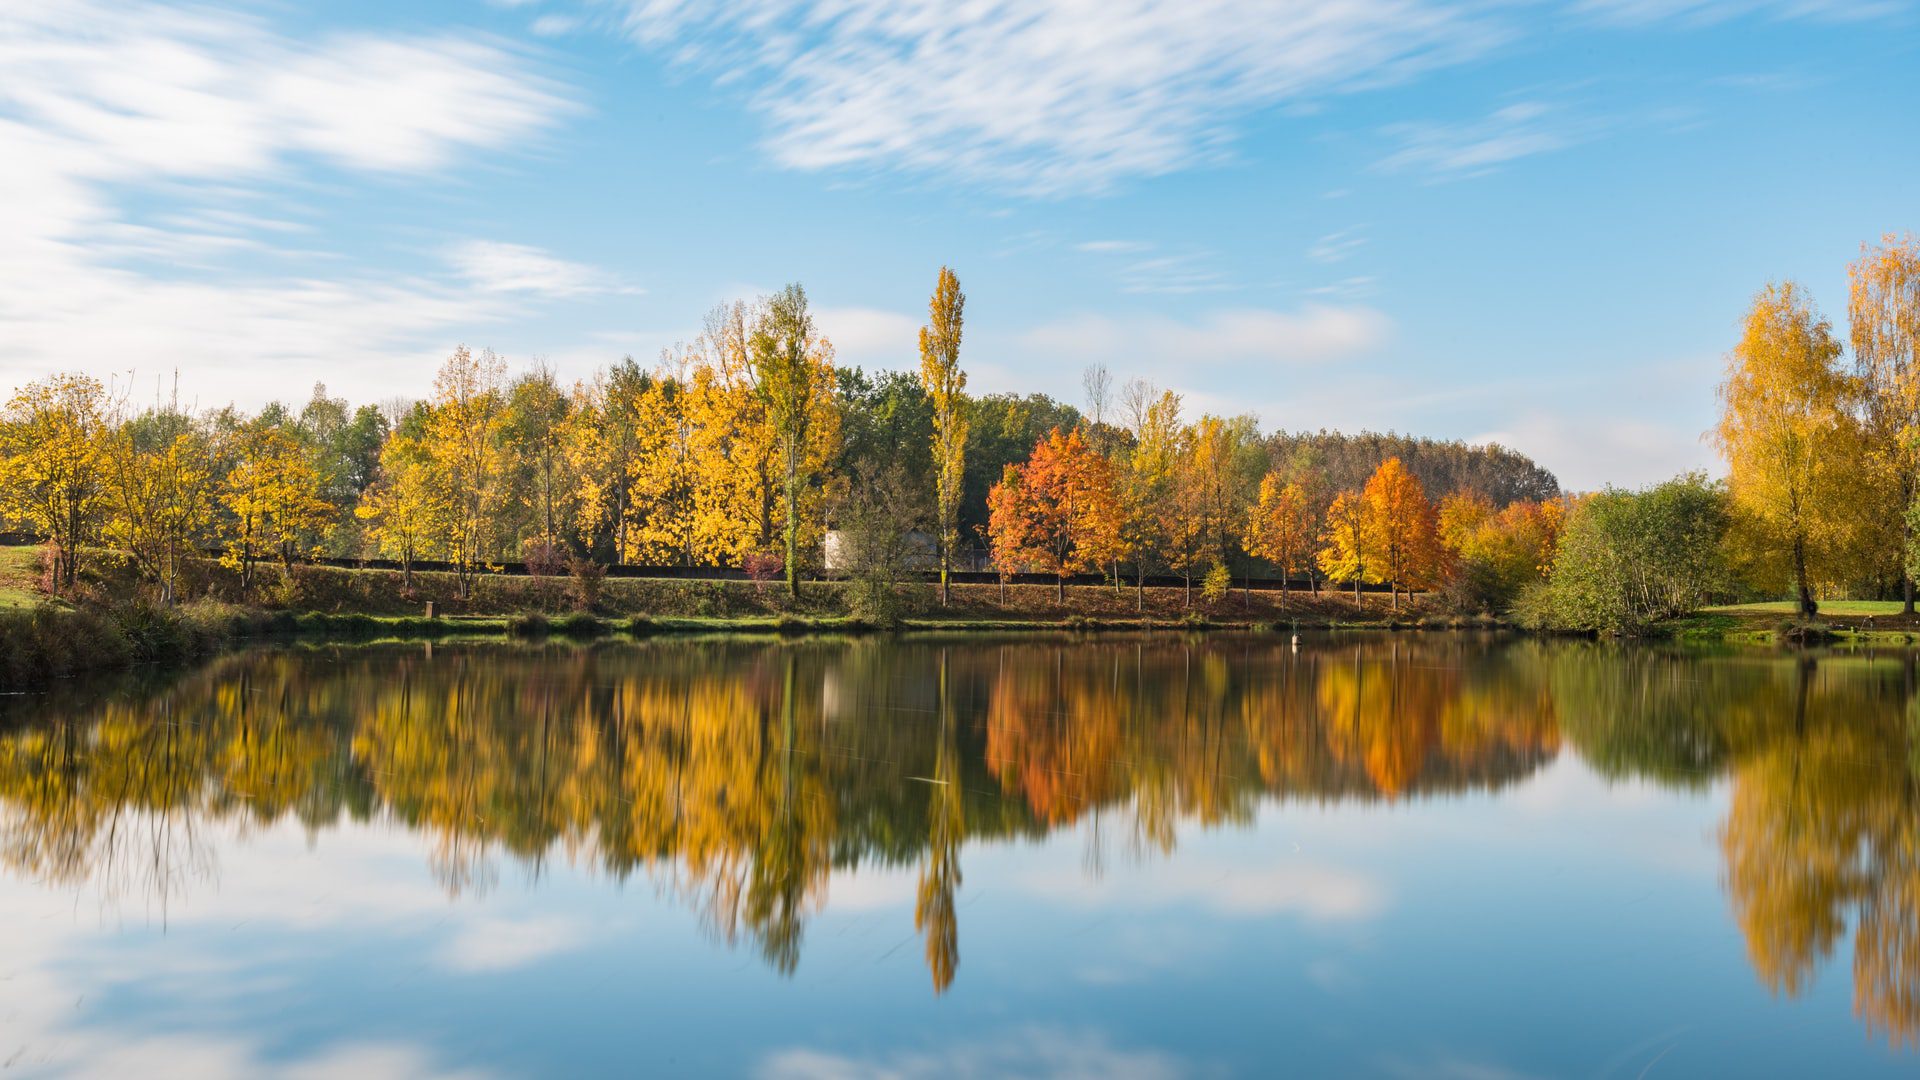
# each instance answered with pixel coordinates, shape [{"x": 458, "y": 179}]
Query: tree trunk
[
  {"x": 793, "y": 525},
  {"x": 1807, "y": 607},
  {"x": 1906, "y": 579},
  {"x": 1140, "y": 588},
  {"x": 1060, "y": 585}
]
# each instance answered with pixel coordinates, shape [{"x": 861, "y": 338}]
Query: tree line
[{"x": 741, "y": 449}]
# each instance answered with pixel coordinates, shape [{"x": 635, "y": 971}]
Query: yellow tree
[
  {"x": 161, "y": 482},
  {"x": 272, "y": 492},
  {"x": 51, "y": 438},
  {"x": 1147, "y": 479},
  {"x": 1883, "y": 310},
  {"x": 663, "y": 477},
  {"x": 1280, "y": 528},
  {"x": 1788, "y": 434},
  {"x": 795, "y": 366},
  {"x": 1218, "y": 464},
  {"x": 406, "y": 507},
  {"x": 941, "y": 375},
  {"x": 463, "y": 426},
  {"x": 1406, "y": 547},
  {"x": 1348, "y": 541}
]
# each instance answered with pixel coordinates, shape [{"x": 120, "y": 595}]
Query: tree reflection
[
  {"x": 1823, "y": 825},
  {"x": 743, "y": 778}
]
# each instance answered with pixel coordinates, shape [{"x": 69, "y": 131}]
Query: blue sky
[{"x": 1536, "y": 223}]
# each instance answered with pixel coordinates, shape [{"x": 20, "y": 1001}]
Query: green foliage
[
  {"x": 1629, "y": 559},
  {"x": 878, "y": 524}
]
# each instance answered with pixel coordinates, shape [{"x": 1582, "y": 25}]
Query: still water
[{"x": 1412, "y": 855}]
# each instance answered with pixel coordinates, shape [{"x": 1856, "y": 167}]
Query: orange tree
[
  {"x": 1280, "y": 527},
  {"x": 1058, "y": 512},
  {"x": 1406, "y": 547}
]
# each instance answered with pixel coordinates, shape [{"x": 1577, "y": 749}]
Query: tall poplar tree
[
  {"x": 790, "y": 378},
  {"x": 940, "y": 373}
]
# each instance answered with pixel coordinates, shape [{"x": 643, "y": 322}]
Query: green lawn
[
  {"x": 17, "y": 577},
  {"x": 1849, "y": 608}
]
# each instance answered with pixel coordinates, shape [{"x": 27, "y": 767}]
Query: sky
[{"x": 1530, "y": 223}]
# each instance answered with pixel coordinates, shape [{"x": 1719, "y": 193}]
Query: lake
[{"x": 1368, "y": 855}]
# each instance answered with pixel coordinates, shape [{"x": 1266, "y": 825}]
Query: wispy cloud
[
  {"x": 1311, "y": 334},
  {"x": 1045, "y": 98},
  {"x": 1701, "y": 12},
  {"x": 101, "y": 104},
  {"x": 1337, "y": 246},
  {"x": 492, "y": 266},
  {"x": 1451, "y": 151}
]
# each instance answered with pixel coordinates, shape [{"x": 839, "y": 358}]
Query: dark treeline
[{"x": 1443, "y": 467}]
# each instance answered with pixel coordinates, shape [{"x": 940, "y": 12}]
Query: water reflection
[{"x": 744, "y": 778}]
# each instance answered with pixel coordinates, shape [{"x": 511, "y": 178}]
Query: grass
[
  {"x": 18, "y": 574},
  {"x": 1849, "y": 609}
]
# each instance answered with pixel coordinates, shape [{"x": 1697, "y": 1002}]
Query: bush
[
  {"x": 587, "y": 578},
  {"x": 529, "y": 624},
  {"x": 1629, "y": 559},
  {"x": 580, "y": 624}
]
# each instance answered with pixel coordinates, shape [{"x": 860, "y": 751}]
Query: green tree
[
  {"x": 1628, "y": 559},
  {"x": 795, "y": 367}
]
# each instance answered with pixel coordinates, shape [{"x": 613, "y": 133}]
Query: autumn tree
[
  {"x": 272, "y": 497},
  {"x": 945, "y": 384},
  {"x": 533, "y": 433},
  {"x": 1491, "y": 555},
  {"x": 1349, "y": 538},
  {"x": 162, "y": 483},
  {"x": 51, "y": 437},
  {"x": 1057, "y": 512},
  {"x": 663, "y": 477},
  {"x": 406, "y": 506},
  {"x": 1280, "y": 526},
  {"x": 796, "y": 379},
  {"x": 1219, "y": 464},
  {"x": 600, "y": 439},
  {"x": 1788, "y": 434},
  {"x": 463, "y": 428},
  {"x": 1883, "y": 312},
  {"x": 1403, "y": 527},
  {"x": 1146, "y": 479}
]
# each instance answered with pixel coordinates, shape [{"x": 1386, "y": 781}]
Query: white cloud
[
  {"x": 1313, "y": 333},
  {"x": 1045, "y": 98},
  {"x": 1026, "y": 1052},
  {"x": 1450, "y": 151},
  {"x": 1112, "y": 247},
  {"x": 871, "y": 337},
  {"x": 492, "y": 945},
  {"x": 1309, "y": 890},
  {"x": 492, "y": 266},
  {"x": 211, "y": 109}
]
